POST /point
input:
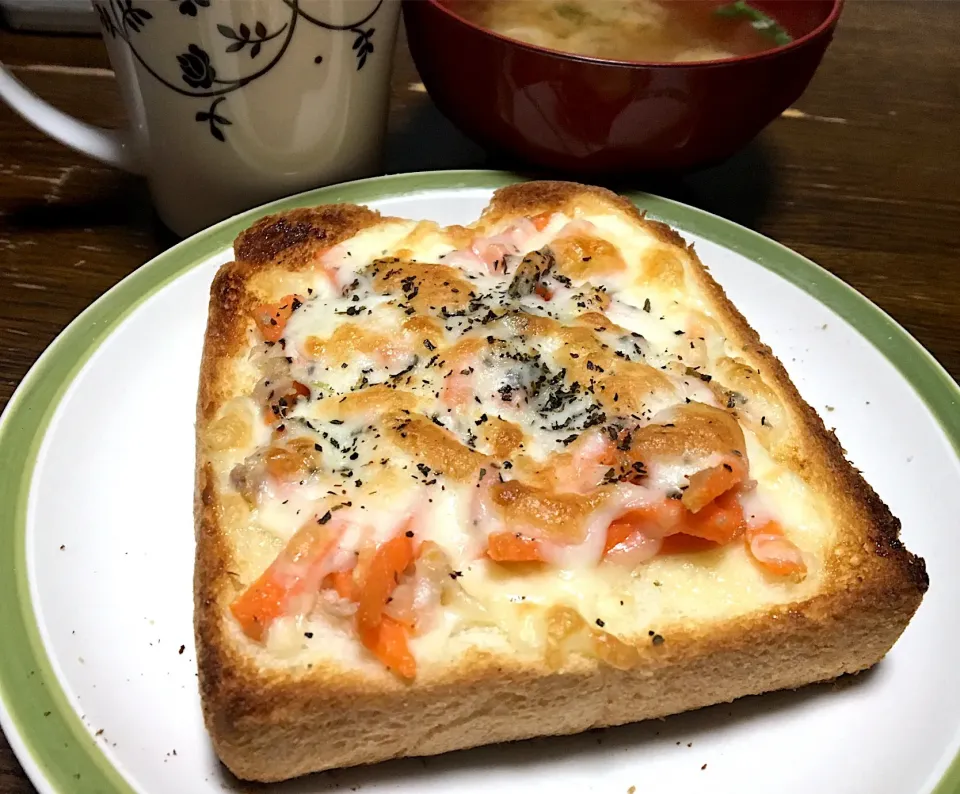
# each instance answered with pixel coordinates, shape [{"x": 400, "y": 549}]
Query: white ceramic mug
[{"x": 235, "y": 102}]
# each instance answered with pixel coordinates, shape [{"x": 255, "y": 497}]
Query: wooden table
[{"x": 863, "y": 176}]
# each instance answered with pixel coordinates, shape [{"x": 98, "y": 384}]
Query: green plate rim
[{"x": 58, "y": 752}]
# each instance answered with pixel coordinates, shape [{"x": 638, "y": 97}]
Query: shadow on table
[
  {"x": 105, "y": 199},
  {"x": 738, "y": 188},
  {"x": 423, "y": 140},
  {"x": 690, "y": 727}
]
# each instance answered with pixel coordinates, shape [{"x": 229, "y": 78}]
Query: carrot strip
[
  {"x": 540, "y": 221},
  {"x": 344, "y": 583},
  {"x": 721, "y": 521},
  {"x": 271, "y": 318},
  {"x": 288, "y": 575},
  {"x": 682, "y": 543},
  {"x": 388, "y": 642},
  {"x": 772, "y": 550},
  {"x": 260, "y": 605},
  {"x": 543, "y": 291},
  {"x": 289, "y": 399},
  {"x": 380, "y": 579},
  {"x": 663, "y": 518},
  {"x": 708, "y": 484},
  {"x": 512, "y": 547},
  {"x": 617, "y": 533}
]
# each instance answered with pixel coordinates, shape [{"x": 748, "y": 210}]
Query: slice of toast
[{"x": 532, "y": 476}]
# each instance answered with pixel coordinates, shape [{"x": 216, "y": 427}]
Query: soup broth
[{"x": 630, "y": 30}]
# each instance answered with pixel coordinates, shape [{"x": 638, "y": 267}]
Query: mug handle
[{"x": 113, "y": 147}]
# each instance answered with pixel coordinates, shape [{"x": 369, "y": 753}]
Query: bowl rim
[{"x": 817, "y": 32}]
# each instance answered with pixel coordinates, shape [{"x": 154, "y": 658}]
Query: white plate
[{"x": 96, "y": 548}]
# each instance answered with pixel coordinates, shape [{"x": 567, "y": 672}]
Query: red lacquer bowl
[{"x": 590, "y": 115}]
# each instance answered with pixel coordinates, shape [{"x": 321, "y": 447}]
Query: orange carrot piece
[
  {"x": 707, "y": 484},
  {"x": 271, "y": 318},
  {"x": 512, "y": 547},
  {"x": 260, "y": 605},
  {"x": 721, "y": 521},
  {"x": 664, "y": 517},
  {"x": 388, "y": 642},
  {"x": 543, "y": 291},
  {"x": 772, "y": 550},
  {"x": 288, "y": 575},
  {"x": 344, "y": 583},
  {"x": 541, "y": 220},
  {"x": 390, "y": 560},
  {"x": 617, "y": 533},
  {"x": 682, "y": 543},
  {"x": 297, "y": 391}
]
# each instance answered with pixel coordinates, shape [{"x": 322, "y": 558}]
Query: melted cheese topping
[{"x": 461, "y": 389}]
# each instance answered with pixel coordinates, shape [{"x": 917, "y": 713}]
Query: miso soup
[{"x": 631, "y": 30}]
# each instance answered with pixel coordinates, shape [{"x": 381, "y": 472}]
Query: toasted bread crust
[
  {"x": 269, "y": 724},
  {"x": 292, "y": 239}
]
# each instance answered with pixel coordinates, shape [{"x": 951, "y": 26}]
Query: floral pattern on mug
[
  {"x": 197, "y": 70},
  {"x": 121, "y": 18}
]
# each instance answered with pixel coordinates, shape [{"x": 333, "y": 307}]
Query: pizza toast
[{"x": 530, "y": 476}]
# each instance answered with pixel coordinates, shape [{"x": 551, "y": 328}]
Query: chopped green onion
[
  {"x": 760, "y": 22},
  {"x": 570, "y": 11}
]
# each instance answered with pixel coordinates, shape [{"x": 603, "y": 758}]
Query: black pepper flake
[
  {"x": 182, "y": 649},
  {"x": 694, "y": 373},
  {"x": 734, "y": 399},
  {"x": 456, "y": 574},
  {"x": 429, "y": 345},
  {"x": 409, "y": 533},
  {"x": 678, "y": 333},
  {"x": 646, "y": 305},
  {"x": 308, "y": 635},
  {"x": 657, "y": 639},
  {"x": 600, "y": 623},
  {"x": 318, "y": 448},
  {"x": 424, "y": 469},
  {"x": 325, "y": 517}
]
